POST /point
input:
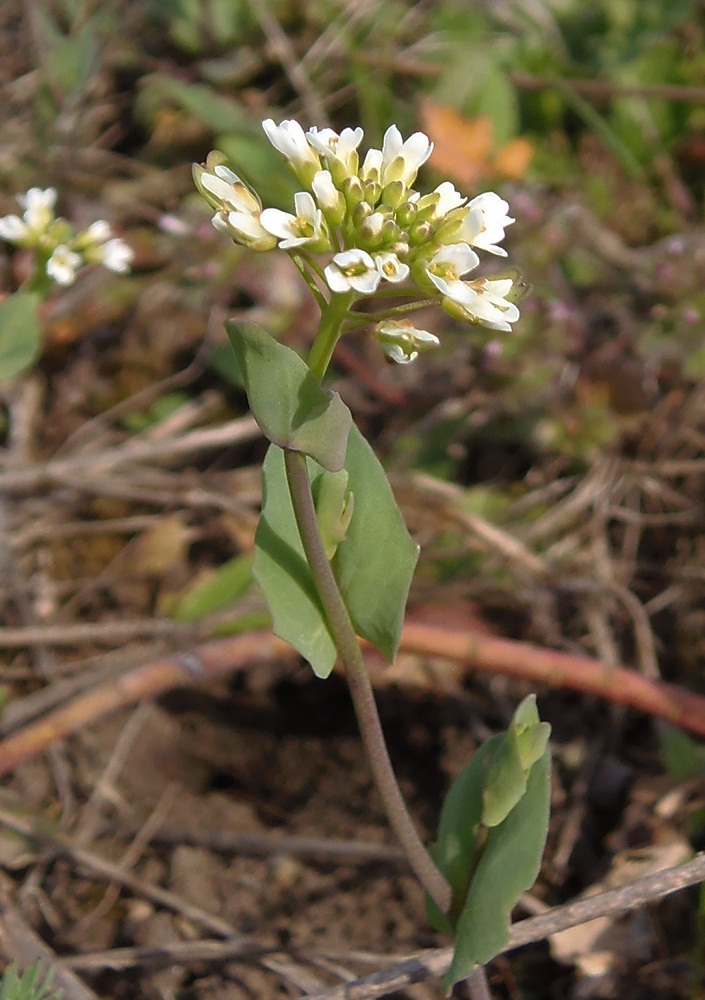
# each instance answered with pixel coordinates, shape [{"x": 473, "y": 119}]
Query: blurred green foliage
[{"x": 32, "y": 984}]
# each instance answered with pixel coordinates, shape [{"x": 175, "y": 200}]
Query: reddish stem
[{"x": 478, "y": 651}]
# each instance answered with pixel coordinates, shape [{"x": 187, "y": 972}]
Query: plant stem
[
  {"x": 360, "y": 687},
  {"x": 328, "y": 333}
]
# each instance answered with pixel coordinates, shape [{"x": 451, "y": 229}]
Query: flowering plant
[
  {"x": 375, "y": 229},
  {"x": 59, "y": 253},
  {"x": 332, "y": 553}
]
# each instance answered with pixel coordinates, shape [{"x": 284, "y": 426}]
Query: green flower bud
[
  {"x": 419, "y": 233},
  {"x": 353, "y": 191},
  {"x": 406, "y": 214},
  {"x": 394, "y": 193}
]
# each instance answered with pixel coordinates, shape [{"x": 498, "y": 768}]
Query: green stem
[
  {"x": 329, "y": 330},
  {"x": 303, "y": 264},
  {"x": 360, "y": 687}
]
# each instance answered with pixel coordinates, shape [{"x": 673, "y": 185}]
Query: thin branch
[
  {"x": 532, "y": 81},
  {"x": 282, "y": 49},
  {"x": 134, "y": 450},
  {"x": 262, "y": 845},
  {"x": 21, "y": 944},
  {"x": 425, "y": 965},
  {"x": 98, "y": 867}
]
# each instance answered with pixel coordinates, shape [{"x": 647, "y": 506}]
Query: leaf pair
[
  {"x": 373, "y": 556},
  {"x": 491, "y": 838}
]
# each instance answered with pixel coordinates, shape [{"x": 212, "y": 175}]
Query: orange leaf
[
  {"x": 512, "y": 159},
  {"x": 463, "y": 146}
]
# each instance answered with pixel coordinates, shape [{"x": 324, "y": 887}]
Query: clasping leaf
[
  {"x": 291, "y": 408},
  {"x": 491, "y": 838}
]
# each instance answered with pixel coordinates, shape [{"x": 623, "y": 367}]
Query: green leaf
[
  {"x": 508, "y": 866},
  {"x": 20, "y": 336},
  {"x": 375, "y": 563},
  {"x": 32, "y": 984},
  {"x": 491, "y": 838},
  {"x": 281, "y": 569},
  {"x": 223, "y": 586},
  {"x": 456, "y": 849},
  {"x": 508, "y": 770},
  {"x": 291, "y": 408},
  {"x": 214, "y": 110},
  {"x": 682, "y": 757}
]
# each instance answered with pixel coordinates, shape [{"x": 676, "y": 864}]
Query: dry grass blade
[{"x": 424, "y": 965}]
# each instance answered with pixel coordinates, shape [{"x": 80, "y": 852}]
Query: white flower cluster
[
  {"x": 62, "y": 251},
  {"x": 373, "y": 225}
]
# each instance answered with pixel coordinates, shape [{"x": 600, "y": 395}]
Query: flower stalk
[
  {"x": 329, "y": 330},
  {"x": 359, "y": 683}
]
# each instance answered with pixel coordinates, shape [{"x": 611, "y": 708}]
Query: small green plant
[
  {"x": 332, "y": 553},
  {"x": 59, "y": 252},
  {"x": 32, "y": 984}
]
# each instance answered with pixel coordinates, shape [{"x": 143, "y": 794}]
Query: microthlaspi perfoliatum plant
[
  {"x": 59, "y": 252},
  {"x": 333, "y": 555}
]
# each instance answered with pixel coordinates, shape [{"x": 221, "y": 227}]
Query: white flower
[
  {"x": 401, "y": 160},
  {"x": 12, "y": 228},
  {"x": 238, "y": 208},
  {"x": 63, "y": 264},
  {"x": 98, "y": 232},
  {"x": 448, "y": 200},
  {"x": 38, "y": 204},
  {"x": 371, "y": 169},
  {"x": 372, "y": 226},
  {"x": 340, "y": 148},
  {"x": 390, "y": 267},
  {"x": 485, "y": 222},
  {"x": 222, "y": 188},
  {"x": 306, "y": 228},
  {"x": 353, "y": 271},
  {"x": 448, "y": 265},
  {"x": 329, "y": 198},
  {"x": 98, "y": 246},
  {"x": 245, "y": 228},
  {"x": 483, "y": 301},
  {"x": 403, "y": 342},
  {"x": 116, "y": 255},
  {"x": 290, "y": 139}
]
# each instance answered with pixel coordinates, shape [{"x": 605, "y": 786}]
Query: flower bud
[
  {"x": 363, "y": 210},
  {"x": 403, "y": 342},
  {"x": 352, "y": 191},
  {"x": 373, "y": 192},
  {"x": 371, "y": 229},
  {"x": 329, "y": 197},
  {"x": 394, "y": 193},
  {"x": 406, "y": 214},
  {"x": 419, "y": 232}
]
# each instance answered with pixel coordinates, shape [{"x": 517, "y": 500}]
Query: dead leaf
[
  {"x": 512, "y": 159},
  {"x": 464, "y": 148},
  {"x": 159, "y": 549}
]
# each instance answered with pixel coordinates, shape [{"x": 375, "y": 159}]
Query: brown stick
[
  {"x": 425, "y": 965},
  {"x": 484, "y": 652},
  {"x": 560, "y": 670}
]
